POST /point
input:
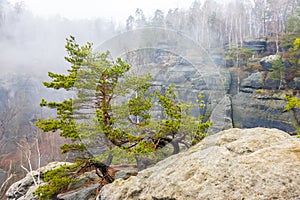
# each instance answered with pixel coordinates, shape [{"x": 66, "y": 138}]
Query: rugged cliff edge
[
  {"x": 253, "y": 163},
  {"x": 256, "y": 163}
]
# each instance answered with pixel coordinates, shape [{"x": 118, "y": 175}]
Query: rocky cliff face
[
  {"x": 255, "y": 100},
  {"x": 233, "y": 96},
  {"x": 254, "y": 163},
  {"x": 259, "y": 104}
]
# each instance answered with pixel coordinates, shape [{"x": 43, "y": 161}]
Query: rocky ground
[
  {"x": 256, "y": 163},
  {"x": 253, "y": 163}
]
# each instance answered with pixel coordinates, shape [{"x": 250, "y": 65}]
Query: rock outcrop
[
  {"x": 221, "y": 116},
  {"x": 253, "y": 81},
  {"x": 259, "y": 110},
  {"x": 254, "y": 163},
  {"x": 259, "y": 103},
  {"x": 23, "y": 189},
  {"x": 84, "y": 193},
  {"x": 266, "y": 62},
  {"x": 256, "y": 45},
  {"x": 84, "y": 186}
]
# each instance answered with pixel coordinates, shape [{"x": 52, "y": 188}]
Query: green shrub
[
  {"x": 57, "y": 185},
  {"x": 58, "y": 181}
]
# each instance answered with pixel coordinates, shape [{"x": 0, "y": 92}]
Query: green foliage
[
  {"x": 291, "y": 41},
  {"x": 293, "y": 105},
  {"x": 292, "y": 57},
  {"x": 57, "y": 185},
  {"x": 297, "y": 44},
  {"x": 114, "y": 108},
  {"x": 65, "y": 122},
  {"x": 293, "y": 31},
  {"x": 141, "y": 103},
  {"x": 292, "y": 54},
  {"x": 58, "y": 181},
  {"x": 296, "y": 52},
  {"x": 239, "y": 55},
  {"x": 119, "y": 156},
  {"x": 178, "y": 119},
  {"x": 292, "y": 102}
]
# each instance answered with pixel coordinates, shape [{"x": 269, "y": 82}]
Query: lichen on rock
[{"x": 256, "y": 163}]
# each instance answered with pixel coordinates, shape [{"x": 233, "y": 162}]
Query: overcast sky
[{"x": 117, "y": 10}]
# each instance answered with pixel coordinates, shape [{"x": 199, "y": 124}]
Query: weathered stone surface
[
  {"x": 254, "y": 110},
  {"x": 274, "y": 84},
  {"x": 295, "y": 84},
  {"x": 19, "y": 188},
  {"x": 29, "y": 194},
  {"x": 266, "y": 62},
  {"x": 260, "y": 103},
  {"x": 84, "y": 179},
  {"x": 23, "y": 188},
  {"x": 256, "y": 45},
  {"x": 125, "y": 174},
  {"x": 221, "y": 116},
  {"x": 255, "y": 81},
  {"x": 253, "y": 164},
  {"x": 83, "y": 187},
  {"x": 51, "y": 166},
  {"x": 82, "y": 193}
]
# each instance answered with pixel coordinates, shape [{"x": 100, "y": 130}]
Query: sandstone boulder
[
  {"x": 84, "y": 186},
  {"x": 83, "y": 193},
  {"x": 254, "y": 81},
  {"x": 24, "y": 188},
  {"x": 256, "y": 163},
  {"x": 266, "y": 62}
]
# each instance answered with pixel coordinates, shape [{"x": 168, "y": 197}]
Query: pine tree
[{"x": 113, "y": 109}]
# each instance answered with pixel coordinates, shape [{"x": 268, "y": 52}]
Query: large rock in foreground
[
  {"x": 254, "y": 163},
  {"x": 24, "y": 188}
]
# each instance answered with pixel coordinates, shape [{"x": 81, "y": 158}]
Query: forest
[{"x": 235, "y": 34}]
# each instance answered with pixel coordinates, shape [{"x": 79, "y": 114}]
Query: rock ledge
[{"x": 256, "y": 163}]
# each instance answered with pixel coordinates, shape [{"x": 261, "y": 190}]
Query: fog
[
  {"x": 200, "y": 46},
  {"x": 32, "y": 34},
  {"x": 32, "y": 44}
]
